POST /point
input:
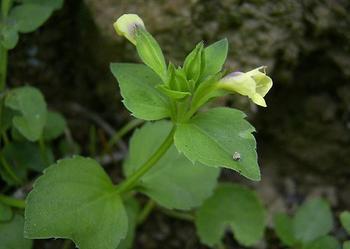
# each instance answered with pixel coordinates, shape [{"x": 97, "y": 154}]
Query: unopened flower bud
[{"x": 127, "y": 26}]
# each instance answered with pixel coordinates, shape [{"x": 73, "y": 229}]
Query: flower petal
[
  {"x": 263, "y": 83},
  {"x": 238, "y": 82},
  {"x": 258, "y": 99}
]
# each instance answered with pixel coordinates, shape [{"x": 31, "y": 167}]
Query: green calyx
[
  {"x": 150, "y": 52},
  {"x": 188, "y": 87}
]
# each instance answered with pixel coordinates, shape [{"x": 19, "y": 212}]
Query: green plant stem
[
  {"x": 178, "y": 214},
  {"x": 124, "y": 130},
  {"x": 145, "y": 212},
  {"x": 182, "y": 109},
  {"x": 9, "y": 170},
  {"x": 92, "y": 140},
  {"x": 3, "y": 160},
  {"x": 5, "y": 7},
  {"x": 1, "y": 114},
  {"x": 151, "y": 205},
  {"x": 2, "y": 107},
  {"x": 43, "y": 150},
  {"x": 131, "y": 181},
  {"x": 5, "y": 138},
  {"x": 3, "y": 67},
  {"x": 13, "y": 202}
]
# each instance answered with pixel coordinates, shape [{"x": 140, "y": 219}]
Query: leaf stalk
[
  {"x": 12, "y": 202},
  {"x": 131, "y": 181}
]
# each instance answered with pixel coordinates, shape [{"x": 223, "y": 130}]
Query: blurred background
[{"x": 304, "y": 134}]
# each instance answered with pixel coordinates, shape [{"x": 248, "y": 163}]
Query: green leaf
[
  {"x": 215, "y": 57},
  {"x": 132, "y": 209},
  {"x": 53, "y": 4},
  {"x": 325, "y": 242},
  {"x": 345, "y": 220},
  {"x": 30, "y": 103},
  {"x": 16, "y": 135},
  {"x": 150, "y": 52},
  {"x": 9, "y": 36},
  {"x": 26, "y": 155},
  {"x": 137, "y": 84},
  {"x": 75, "y": 199},
  {"x": 284, "y": 229},
  {"x": 55, "y": 126},
  {"x": 11, "y": 234},
  {"x": 176, "y": 95},
  {"x": 235, "y": 207},
  {"x": 6, "y": 118},
  {"x": 195, "y": 63},
  {"x": 215, "y": 137},
  {"x": 312, "y": 220},
  {"x": 174, "y": 182},
  {"x": 5, "y": 212},
  {"x": 30, "y": 16},
  {"x": 346, "y": 245}
]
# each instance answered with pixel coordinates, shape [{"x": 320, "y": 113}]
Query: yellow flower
[
  {"x": 255, "y": 84},
  {"x": 127, "y": 25}
]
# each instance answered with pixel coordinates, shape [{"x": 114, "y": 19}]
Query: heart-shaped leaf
[
  {"x": 235, "y": 207},
  {"x": 75, "y": 199},
  {"x": 312, "y": 220},
  {"x": 31, "y": 106}
]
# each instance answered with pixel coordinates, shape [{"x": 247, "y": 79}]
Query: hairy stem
[
  {"x": 131, "y": 181},
  {"x": 13, "y": 202}
]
